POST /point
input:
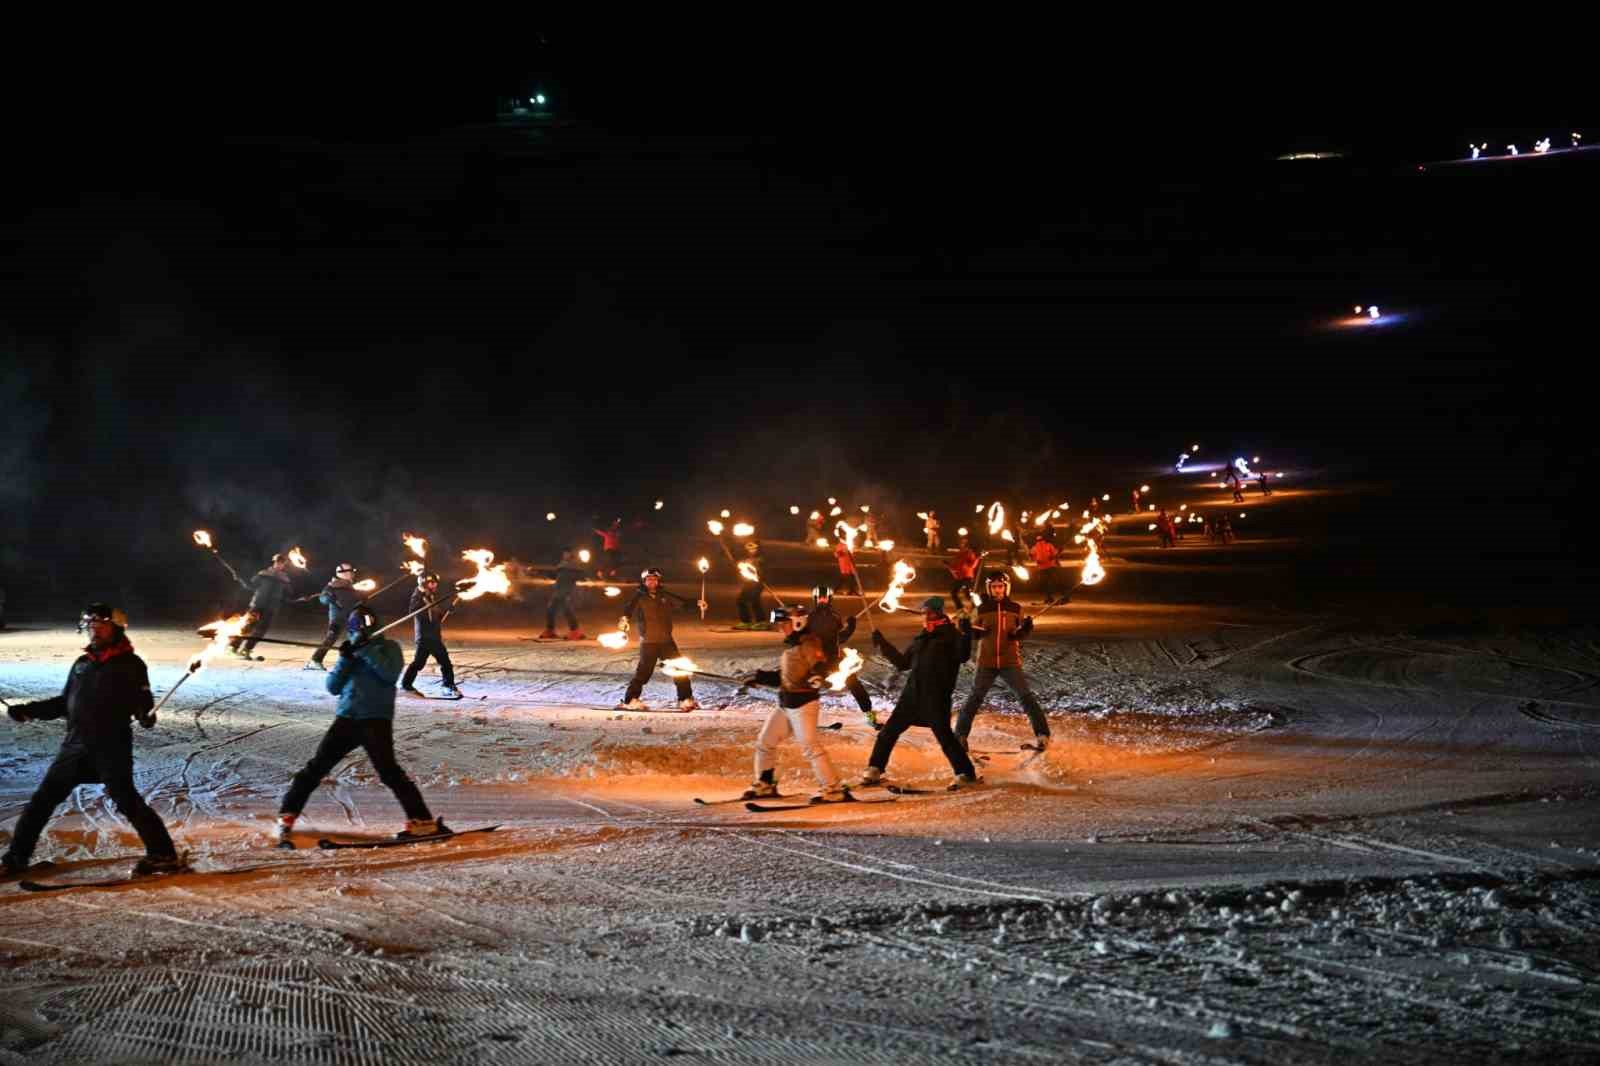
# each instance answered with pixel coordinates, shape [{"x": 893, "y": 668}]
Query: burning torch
[
  {"x": 704, "y": 564},
  {"x": 203, "y": 539}
]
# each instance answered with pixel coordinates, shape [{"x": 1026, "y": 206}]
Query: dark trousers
[
  {"x": 898, "y": 723},
  {"x": 561, "y": 601},
  {"x": 859, "y": 691},
  {"x": 1012, "y": 675},
  {"x": 376, "y": 736},
  {"x": 649, "y": 655},
  {"x": 427, "y": 646},
  {"x": 334, "y": 634},
  {"x": 111, "y": 766},
  {"x": 750, "y": 602},
  {"x": 1050, "y": 581},
  {"x": 254, "y": 632},
  {"x": 613, "y": 557}
]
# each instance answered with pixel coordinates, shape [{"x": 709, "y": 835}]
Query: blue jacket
[{"x": 364, "y": 680}]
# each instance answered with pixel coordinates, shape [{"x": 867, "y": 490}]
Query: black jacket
[
  {"x": 425, "y": 626},
  {"x": 339, "y": 596},
  {"x": 104, "y": 692},
  {"x": 934, "y": 660},
  {"x": 654, "y": 614},
  {"x": 824, "y": 624},
  {"x": 268, "y": 590}
]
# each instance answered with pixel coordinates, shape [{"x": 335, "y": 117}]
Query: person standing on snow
[
  {"x": 930, "y": 529},
  {"x": 847, "y": 567},
  {"x": 1045, "y": 556},
  {"x": 800, "y": 676},
  {"x": 107, "y": 687},
  {"x": 339, "y": 596},
  {"x": 749, "y": 568},
  {"x": 568, "y": 570},
  {"x": 653, "y": 606},
  {"x": 824, "y": 623},
  {"x": 364, "y": 682},
  {"x": 268, "y": 589},
  {"x": 428, "y": 630},
  {"x": 1002, "y": 627},
  {"x": 934, "y": 659},
  {"x": 611, "y": 546},
  {"x": 963, "y": 569}
]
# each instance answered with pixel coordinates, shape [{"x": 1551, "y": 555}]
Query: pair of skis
[
  {"x": 325, "y": 844},
  {"x": 764, "y": 808}
]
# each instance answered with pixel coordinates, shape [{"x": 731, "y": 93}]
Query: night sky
[{"x": 325, "y": 308}]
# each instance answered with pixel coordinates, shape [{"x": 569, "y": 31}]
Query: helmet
[
  {"x": 821, "y": 592},
  {"x": 752, "y": 546},
  {"x": 997, "y": 575},
  {"x": 362, "y": 621},
  {"x": 279, "y": 557},
  {"x": 102, "y": 612},
  {"x": 778, "y": 615},
  {"x": 427, "y": 576},
  {"x": 344, "y": 568},
  {"x": 799, "y": 614},
  {"x": 649, "y": 571}
]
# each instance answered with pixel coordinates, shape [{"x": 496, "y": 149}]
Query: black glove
[
  {"x": 18, "y": 714},
  {"x": 878, "y": 637},
  {"x": 965, "y": 625},
  {"x": 1025, "y": 628},
  {"x": 147, "y": 721},
  {"x": 847, "y": 630},
  {"x": 344, "y": 648}
]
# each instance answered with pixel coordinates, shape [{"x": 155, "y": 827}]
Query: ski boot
[
  {"x": 1038, "y": 743},
  {"x": 282, "y": 833},
  {"x": 151, "y": 865},
  {"x": 423, "y": 827},
  {"x": 690, "y": 704},
  {"x": 312, "y": 664},
  {"x": 870, "y": 777},
  {"x": 632, "y": 705},
  {"x": 839, "y": 793},
  {"x": 548, "y": 634},
  {"x": 450, "y": 692},
  {"x": 576, "y": 634},
  {"x": 760, "y": 790},
  {"x": 965, "y": 781}
]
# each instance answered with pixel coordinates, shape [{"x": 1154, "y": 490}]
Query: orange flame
[
  {"x": 748, "y": 571},
  {"x": 847, "y": 533},
  {"x": 612, "y": 592},
  {"x": 744, "y": 529},
  {"x": 997, "y": 518},
  {"x": 613, "y": 640},
  {"x": 488, "y": 578},
  {"x": 726, "y": 513},
  {"x": 297, "y": 557},
  {"x": 886, "y": 545},
  {"x": 1005, "y": 535},
  {"x": 418, "y": 546},
  {"x": 1093, "y": 572},
  {"x": 836, "y": 512},
  {"x": 413, "y": 566},
  {"x": 904, "y": 574},
  {"x": 584, "y": 555},
  {"x": 961, "y": 532},
  {"x": 849, "y": 666},
  {"x": 793, "y": 509},
  {"x": 1021, "y": 572},
  {"x": 679, "y": 668},
  {"x": 822, "y": 542},
  {"x": 1042, "y": 519},
  {"x": 366, "y": 585},
  {"x": 660, "y": 504},
  {"x": 715, "y": 527},
  {"x": 704, "y": 564},
  {"x": 221, "y": 631},
  {"x": 202, "y": 538}
]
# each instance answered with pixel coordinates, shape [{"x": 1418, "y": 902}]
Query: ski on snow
[
  {"x": 764, "y": 808},
  {"x": 331, "y": 845}
]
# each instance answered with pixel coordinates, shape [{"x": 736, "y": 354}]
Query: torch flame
[
  {"x": 660, "y": 504},
  {"x": 1093, "y": 572},
  {"x": 297, "y": 557},
  {"x": 704, "y": 564},
  {"x": 997, "y": 518},
  {"x": 1021, "y": 572},
  {"x": 1005, "y": 535},
  {"x": 744, "y": 529},
  {"x": 584, "y": 555},
  {"x": 715, "y": 527},
  {"x": 1042, "y": 519},
  {"x": 961, "y": 532},
  {"x": 748, "y": 571},
  {"x": 679, "y": 668},
  {"x": 849, "y": 666},
  {"x": 1144, "y": 488},
  {"x": 836, "y": 512},
  {"x": 549, "y": 516},
  {"x": 612, "y": 592},
  {"x": 202, "y": 538},
  {"x": 413, "y": 566},
  {"x": 793, "y": 509},
  {"x": 418, "y": 546},
  {"x": 726, "y": 513},
  {"x": 866, "y": 509},
  {"x": 822, "y": 542},
  {"x": 924, "y": 515},
  {"x": 366, "y": 585},
  {"x": 221, "y": 631},
  {"x": 886, "y": 545},
  {"x": 847, "y": 533},
  {"x": 488, "y": 578},
  {"x": 816, "y": 516},
  {"x": 613, "y": 640},
  {"x": 832, "y": 501},
  {"x": 904, "y": 574}
]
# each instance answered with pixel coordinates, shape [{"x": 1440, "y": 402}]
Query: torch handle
[
  {"x": 231, "y": 571},
  {"x": 387, "y": 587},
  {"x": 702, "y": 597},
  {"x": 735, "y": 563},
  {"x": 170, "y": 691}
]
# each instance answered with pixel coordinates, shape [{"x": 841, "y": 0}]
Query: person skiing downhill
[
  {"x": 824, "y": 623},
  {"x": 339, "y": 596},
  {"x": 799, "y": 677},
  {"x": 934, "y": 659},
  {"x": 750, "y": 616},
  {"x": 268, "y": 589},
  {"x": 1002, "y": 627},
  {"x": 364, "y": 682},
  {"x": 568, "y": 570},
  {"x": 653, "y": 606},
  {"x": 610, "y": 547},
  {"x": 106, "y": 689},
  {"x": 428, "y": 631}
]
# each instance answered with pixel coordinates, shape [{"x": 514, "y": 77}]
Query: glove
[
  {"x": 847, "y": 630},
  {"x": 344, "y": 648},
  {"x": 878, "y": 637},
  {"x": 18, "y": 714},
  {"x": 965, "y": 625},
  {"x": 146, "y": 721},
  {"x": 622, "y": 624},
  {"x": 1025, "y": 628},
  {"x": 702, "y": 604}
]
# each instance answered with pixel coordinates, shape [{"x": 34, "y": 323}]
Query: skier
[
  {"x": 814, "y": 527},
  {"x": 1233, "y": 482},
  {"x": 930, "y": 529},
  {"x": 869, "y": 536},
  {"x": 824, "y": 623},
  {"x": 963, "y": 568},
  {"x": 268, "y": 589},
  {"x": 934, "y": 659},
  {"x": 847, "y": 567},
  {"x": 568, "y": 570},
  {"x": 1261, "y": 482},
  {"x": 364, "y": 682},
  {"x": 107, "y": 687},
  {"x": 653, "y": 605},
  {"x": 427, "y": 629},
  {"x": 611, "y": 546},
  {"x": 1164, "y": 530},
  {"x": 338, "y": 596},
  {"x": 799, "y": 677},
  {"x": 1044, "y": 556},
  {"x": 750, "y": 590},
  {"x": 1002, "y": 627}
]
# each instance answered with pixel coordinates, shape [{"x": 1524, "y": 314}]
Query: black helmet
[
  {"x": 997, "y": 575},
  {"x": 102, "y": 612},
  {"x": 821, "y": 592},
  {"x": 649, "y": 571},
  {"x": 778, "y": 615},
  {"x": 362, "y": 621},
  {"x": 427, "y": 576}
]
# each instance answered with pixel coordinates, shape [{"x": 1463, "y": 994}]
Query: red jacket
[
  {"x": 847, "y": 565},
  {"x": 965, "y": 565},
  {"x": 1044, "y": 554}
]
